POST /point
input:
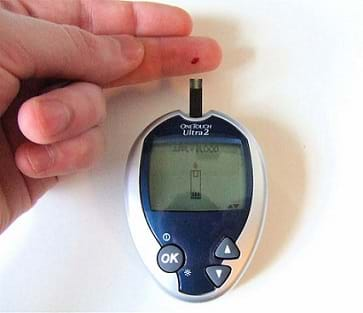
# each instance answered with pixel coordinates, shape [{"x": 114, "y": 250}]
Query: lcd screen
[{"x": 193, "y": 175}]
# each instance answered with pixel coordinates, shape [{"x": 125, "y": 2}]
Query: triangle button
[
  {"x": 218, "y": 274},
  {"x": 227, "y": 250}
]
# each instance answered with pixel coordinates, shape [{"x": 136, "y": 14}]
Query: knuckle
[
  {"x": 86, "y": 15},
  {"x": 93, "y": 99},
  {"x": 92, "y": 108},
  {"x": 15, "y": 58},
  {"x": 10, "y": 86},
  {"x": 80, "y": 47},
  {"x": 15, "y": 6},
  {"x": 89, "y": 149},
  {"x": 97, "y": 103},
  {"x": 90, "y": 52},
  {"x": 83, "y": 42},
  {"x": 134, "y": 17},
  {"x": 103, "y": 112}
]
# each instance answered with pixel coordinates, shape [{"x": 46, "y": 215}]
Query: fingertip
[
  {"x": 63, "y": 113},
  {"x": 174, "y": 56},
  {"x": 62, "y": 158},
  {"x": 41, "y": 118},
  {"x": 213, "y": 53},
  {"x": 27, "y": 119},
  {"x": 34, "y": 160},
  {"x": 184, "y": 21},
  {"x": 190, "y": 55},
  {"x": 88, "y": 149},
  {"x": 156, "y": 19}
]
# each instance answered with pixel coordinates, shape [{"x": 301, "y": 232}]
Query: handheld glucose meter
[{"x": 196, "y": 196}]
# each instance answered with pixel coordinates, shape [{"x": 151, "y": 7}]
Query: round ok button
[{"x": 170, "y": 258}]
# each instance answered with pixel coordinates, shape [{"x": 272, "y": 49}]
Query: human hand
[{"x": 47, "y": 131}]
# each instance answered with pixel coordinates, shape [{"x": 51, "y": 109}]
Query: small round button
[{"x": 170, "y": 258}]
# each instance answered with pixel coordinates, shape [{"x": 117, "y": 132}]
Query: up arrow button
[{"x": 227, "y": 250}]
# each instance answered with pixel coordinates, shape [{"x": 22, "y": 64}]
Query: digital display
[{"x": 197, "y": 176}]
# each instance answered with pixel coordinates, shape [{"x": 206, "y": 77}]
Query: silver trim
[
  {"x": 195, "y": 83},
  {"x": 147, "y": 245}
]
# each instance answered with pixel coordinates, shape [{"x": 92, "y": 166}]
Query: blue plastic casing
[{"x": 197, "y": 233}]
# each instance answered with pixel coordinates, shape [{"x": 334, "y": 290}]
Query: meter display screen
[{"x": 197, "y": 175}]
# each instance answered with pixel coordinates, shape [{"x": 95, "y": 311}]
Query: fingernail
[
  {"x": 132, "y": 48},
  {"x": 55, "y": 118},
  {"x": 40, "y": 158}
]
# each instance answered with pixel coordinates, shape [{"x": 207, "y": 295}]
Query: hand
[{"x": 47, "y": 131}]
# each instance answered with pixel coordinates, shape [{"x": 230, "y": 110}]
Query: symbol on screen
[
  {"x": 195, "y": 184},
  {"x": 234, "y": 206}
]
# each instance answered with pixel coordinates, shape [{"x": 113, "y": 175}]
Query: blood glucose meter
[{"x": 196, "y": 194}]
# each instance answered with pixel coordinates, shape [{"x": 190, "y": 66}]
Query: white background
[{"x": 293, "y": 74}]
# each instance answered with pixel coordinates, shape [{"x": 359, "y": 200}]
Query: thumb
[{"x": 36, "y": 48}]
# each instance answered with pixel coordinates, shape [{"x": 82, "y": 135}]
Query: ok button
[{"x": 170, "y": 258}]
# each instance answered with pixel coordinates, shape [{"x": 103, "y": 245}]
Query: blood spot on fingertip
[{"x": 194, "y": 60}]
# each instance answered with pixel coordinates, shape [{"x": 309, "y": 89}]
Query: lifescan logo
[{"x": 195, "y": 129}]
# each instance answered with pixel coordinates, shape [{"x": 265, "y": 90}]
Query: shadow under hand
[{"x": 286, "y": 171}]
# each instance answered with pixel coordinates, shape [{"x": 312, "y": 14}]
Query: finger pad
[
  {"x": 197, "y": 55},
  {"x": 175, "y": 56}
]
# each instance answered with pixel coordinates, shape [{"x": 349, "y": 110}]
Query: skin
[{"x": 49, "y": 128}]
